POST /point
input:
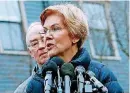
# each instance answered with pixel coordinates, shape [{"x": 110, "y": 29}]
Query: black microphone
[
  {"x": 80, "y": 70},
  {"x": 97, "y": 84},
  {"x": 49, "y": 70},
  {"x": 67, "y": 70},
  {"x": 59, "y": 63}
]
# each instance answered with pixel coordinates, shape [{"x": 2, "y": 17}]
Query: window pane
[
  {"x": 10, "y": 23},
  {"x": 5, "y": 36},
  {"x": 11, "y": 36},
  {"x": 96, "y": 16},
  {"x": 9, "y": 10},
  {"x": 101, "y": 43},
  {"x": 98, "y": 29}
]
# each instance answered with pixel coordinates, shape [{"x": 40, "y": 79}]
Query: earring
[{"x": 74, "y": 41}]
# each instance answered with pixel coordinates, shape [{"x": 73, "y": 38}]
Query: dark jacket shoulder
[
  {"x": 102, "y": 73},
  {"x": 36, "y": 85}
]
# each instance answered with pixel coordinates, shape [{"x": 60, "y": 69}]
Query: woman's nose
[{"x": 49, "y": 36}]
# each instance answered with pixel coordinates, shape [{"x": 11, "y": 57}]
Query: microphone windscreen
[
  {"x": 49, "y": 66},
  {"x": 58, "y": 61},
  {"x": 67, "y": 69}
]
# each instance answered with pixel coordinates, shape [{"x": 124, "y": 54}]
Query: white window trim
[
  {"x": 10, "y": 18},
  {"x": 93, "y": 52},
  {"x": 113, "y": 37},
  {"x": 14, "y": 19}
]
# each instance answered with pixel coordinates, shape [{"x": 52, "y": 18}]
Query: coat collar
[{"x": 82, "y": 57}]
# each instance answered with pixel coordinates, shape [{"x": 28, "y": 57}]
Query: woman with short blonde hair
[
  {"x": 67, "y": 28},
  {"x": 74, "y": 19}
]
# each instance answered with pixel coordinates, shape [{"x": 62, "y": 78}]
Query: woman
[{"x": 66, "y": 29}]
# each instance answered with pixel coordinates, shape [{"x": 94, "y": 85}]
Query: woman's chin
[{"x": 52, "y": 53}]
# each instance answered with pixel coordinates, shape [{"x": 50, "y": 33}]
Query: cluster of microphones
[{"x": 62, "y": 77}]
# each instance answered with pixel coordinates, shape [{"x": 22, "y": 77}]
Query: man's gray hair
[{"x": 29, "y": 31}]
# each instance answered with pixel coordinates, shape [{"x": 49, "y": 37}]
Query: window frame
[
  {"x": 23, "y": 21},
  {"x": 110, "y": 25}
]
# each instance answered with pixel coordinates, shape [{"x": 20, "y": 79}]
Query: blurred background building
[{"x": 108, "y": 40}]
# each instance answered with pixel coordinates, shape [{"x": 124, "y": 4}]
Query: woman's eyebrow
[{"x": 56, "y": 24}]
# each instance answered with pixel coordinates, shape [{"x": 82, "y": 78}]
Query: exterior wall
[
  {"x": 16, "y": 67},
  {"x": 14, "y": 70},
  {"x": 119, "y": 12},
  {"x": 33, "y": 10}
]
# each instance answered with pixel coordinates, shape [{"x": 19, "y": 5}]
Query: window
[
  {"x": 11, "y": 31},
  {"x": 102, "y": 38}
]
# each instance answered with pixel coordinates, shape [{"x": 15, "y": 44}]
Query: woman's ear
[{"x": 75, "y": 40}]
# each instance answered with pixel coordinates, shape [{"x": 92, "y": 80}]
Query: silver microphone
[
  {"x": 59, "y": 89},
  {"x": 48, "y": 82},
  {"x": 79, "y": 70},
  {"x": 96, "y": 83},
  {"x": 67, "y": 71},
  {"x": 49, "y": 71}
]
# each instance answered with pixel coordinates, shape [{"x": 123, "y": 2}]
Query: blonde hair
[{"x": 75, "y": 20}]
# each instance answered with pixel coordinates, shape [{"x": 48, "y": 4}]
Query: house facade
[{"x": 107, "y": 41}]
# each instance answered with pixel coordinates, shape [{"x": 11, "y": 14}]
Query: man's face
[{"x": 37, "y": 47}]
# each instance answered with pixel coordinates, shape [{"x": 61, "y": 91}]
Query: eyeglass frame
[
  {"x": 39, "y": 40},
  {"x": 46, "y": 32}
]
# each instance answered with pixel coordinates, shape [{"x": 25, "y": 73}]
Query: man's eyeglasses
[{"x": 36, "y": 43}]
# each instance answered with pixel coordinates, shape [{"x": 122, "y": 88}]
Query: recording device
[
  {"x": 80, "y": 70},
  {"x": 49, "y": 71},
  {"x": 67, "y": 71},
  {"x": 101, "y": 88}
]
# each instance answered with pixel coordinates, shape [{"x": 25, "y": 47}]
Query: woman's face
[{"x": 58, "y": 40}]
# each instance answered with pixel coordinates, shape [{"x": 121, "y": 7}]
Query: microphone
[
  {"x": 80, "y": 70},
  {"x": 49, "y": 70},
  {"x": 96, "y": 83},
  {"x": 67, "y": 70},
  {"x": 59, "y": 63}
]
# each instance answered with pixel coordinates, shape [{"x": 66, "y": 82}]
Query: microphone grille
[
  {"x": 67, "y": 69},
  {"x": 50, "y": 66},
  {"x": 58, "y": 61}
]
